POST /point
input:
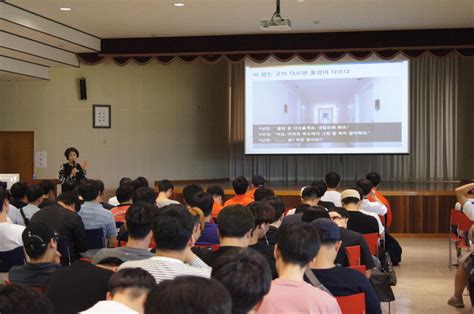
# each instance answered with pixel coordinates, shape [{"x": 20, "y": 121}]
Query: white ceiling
[{"x": 145, "y": 18}]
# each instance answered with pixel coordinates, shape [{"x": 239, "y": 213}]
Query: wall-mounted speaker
[{"x": 82, "y": 89}]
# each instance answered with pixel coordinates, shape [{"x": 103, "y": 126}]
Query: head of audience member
[
  {"x": 314, "y": 212},
  {"x": 199, "y": 221},
  {"x": 69, "y": 200},
  {"x": 4, "y": 205},
  {"x": 332, "y": 180},
  {"x": 321, "y": 186},
  {"x": 89, "y": 190},
  {"x": 235, "y": 224},
  {"x": 279, "y": 207},
  {"x": 311, "y": 195},
  {"x": 189, "y": 294},
  {"x": 69, "y": 186},
  {"x": 71, "y": 154},
  {"x": 173, "y": 230},
  {"x": 204, "y": 202},
  {"x": 21, "y": 299},
  {"x": 350, "y": 199},
  {"x": 165, "y": 188},
  {"x": 258, "y": 181},
  {"x": 47, "y": 186},
  {"x": 297, "y": 245},
  {"x": 240, "y": 185},
  {"x": 101, "y": 188},
  {"x": 34, "y": 194},
  {"x": 130, "y": 286},
  {"x": 189, "y": 191},
  {"x": 40, "y": 243},
  {"x": 140, "y": 182},
  {"x": 139, "y": 224},
  {"x": 217, "y": 193},
  {"x": 330, "y": 237},
  {"x": 124, "y": 194},
  {"x": 18, "y": 191},
  {"x": 262, "y": 192},
  {"x": 374, "y": 177},
  {"x": 263, "y": 215},
  {"x": 126, "y": 181},
  {"x": 340, "y": 216},
  {"x": 246, "y": 275},
  {"x": 365, "y": 186},
  {"x": 144, "y": 194},
  {"x": 301, "y": 208}
]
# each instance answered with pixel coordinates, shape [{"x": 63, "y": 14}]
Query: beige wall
[{"x": 168, "y": 121}]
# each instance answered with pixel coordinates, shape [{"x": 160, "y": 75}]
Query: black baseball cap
[
  {"x": 36, "y": 238},
  {"x": 258, "y": 180}
]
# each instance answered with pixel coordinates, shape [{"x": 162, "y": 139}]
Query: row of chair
[{"x": 459, "y": 226}]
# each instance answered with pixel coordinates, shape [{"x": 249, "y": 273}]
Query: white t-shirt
[
  {"x": 379, "y": 222},
  {"x": 109, "y": 306},
  {"x": 468, "y": 209},
  {"x": 373, "y": 207},
  {"x": 332, "y": 196},
  {"x": 15, "y": 215},
  {"x": 11, "y": 236},
  {"x": 162, "y": 202},
  {"x": 113, "y": 201}
]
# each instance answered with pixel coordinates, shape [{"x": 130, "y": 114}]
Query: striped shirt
[
  {"x": 94, "y": 216},
  {"x": 164, "y": 268}
]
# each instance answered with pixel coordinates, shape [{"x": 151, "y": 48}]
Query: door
[{"x": 17, "y": 153}]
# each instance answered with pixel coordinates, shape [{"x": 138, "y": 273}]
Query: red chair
[
  {"x": 212, "y": 247},
  {"x": 352, "y": 304},
  {"x": 39, "y": 289},
  {"x": 353, "y": 255},
  {"x": 360, "y": 268},
  {"x": 372, "y": 242},
  {"x": 459, "y": 225}
]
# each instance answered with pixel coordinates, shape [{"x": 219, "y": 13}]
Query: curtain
[{"x": 433, "y": 134}]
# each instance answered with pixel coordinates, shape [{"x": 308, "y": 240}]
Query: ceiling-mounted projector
[{"x": 276, "y": 22}]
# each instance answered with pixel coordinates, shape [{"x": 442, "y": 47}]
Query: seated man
[
  {"x": 297, "y": 246},
  {"x": 34, "y": 193},
  {"x": 18, "y": 200},
  {"x": 63, "y": 218},
  {"x": 465, "y": 196},
  {"x": 41, "y": 247},
  {"x": 189, "y": 191},
  {"x": 258, "y": 181},
  {"x": 101, "y": 196},
  {"x": 124, "y": 197},
  {"x": 322, "y": 187},
  {"x": 10, "y": 234},
  {"x": 204, "y": 202},
  {"x": 358, "y": 221},
  {"x": 376, "y": 206},
  {"x": 124, "y": 181},
  {"x": 165, "y": 191},
  {"x": 217, "y": 194},
  {"x": 173, "y": 229},
  {"x": 279, "y": 207},
  {"x": 332, "y": 179},
  {"x": 247, "y": 277},
  {"x": 128, "y": 289},
  {"x": 240, "y": 185},
  {"x": 47, "y": 186},
  {"x": 144, "y": 194},
  {"x": 139, "y": 224},
  {"x": 235, "y": 224},
  {"x": 310, "y": 195},
  {"x": 19, "y": 299},
  {"x": 340, "y": 281},
  {"x": 262, "y": 192},
  {"x": 375, "y": 178}
]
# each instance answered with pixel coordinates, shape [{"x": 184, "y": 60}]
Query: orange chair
[
  {"x": 212, "y": 247},
  {"x": 353, "y": 255},
  {"x": 352, "y": 304},
  {"x": 372, "y": 242},
  {"x": 459, "y": 225},
  {"x": 360, "y": 268}
]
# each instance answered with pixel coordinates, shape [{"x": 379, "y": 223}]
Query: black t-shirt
[
  {"x": 267, "y": 252},
  {"x": 352, "y": 238},
  {"x": 211, "y": 257},
  {"x": 270, "y": 236},
  {"x": 327, "y": 205},
  {"x": 341, "y": 281},
  {"x": 362, "y": 223},
  {"x": 46, "y": 202},
  {"x": 32, "y": 274},
  {"x": 78, "y": 287}
]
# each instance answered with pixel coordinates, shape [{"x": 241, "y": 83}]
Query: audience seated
[
  {"x": 189, "y": 191},
  {"x": 358, "y": 221},
  {"x": 10, "y": 234},
  {"x": 218, "y": 195},
  {"x": 64, "y": 219},
  {"x": 314, "y": 212},
  {"x": 124, "y": 181},
  {"x": 34, "y": 194},
  {"x": 139, "y": 224},
  {"x": 189, "y": 294},
  {"x": 40, "y": 245},
  {"x": 165, "y": 191},
  {"x": 144, "y": 194},
  {"x": 204, "y": 202},
  {"x": 235, "y": 224},
  {"x": 262, "y": 192},
  {"x": 101, "y": 196},
  {"x": 18, "y": 200},
  {"x": 375, "y": 178},
  {"x": 465, "y": 197},
  {"x": 376, "y": 206},
  {"x": 322, "y": 187},
  {"x": 297, "y": 246},
  {"x": 332, "y": 179},
  {"x": 241, "y": 186},
  {"x": 310, "y": 195},
  {"x": 173, "y": 230},
  {"x": 128, "y": 290},
  {"x": 47, "y": 186},
  {"x": 340, "y": 281},
  {"x": 258, "y": 181},
  {"x": 124, "y": 198},
  {"x": 95, "y": 216},
  {"x": 20, "y": 299},
  {"x": 247, "y": 277},
  {"x": 279, "y": 207},
  {"x": 140, "y": 182}
]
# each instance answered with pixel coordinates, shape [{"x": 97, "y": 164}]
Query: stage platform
[{"x": 417, "y": 207}]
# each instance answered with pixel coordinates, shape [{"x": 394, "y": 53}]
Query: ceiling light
[
  {"x": 65, "y": 9},
  {"x": 179, "y": 4}
]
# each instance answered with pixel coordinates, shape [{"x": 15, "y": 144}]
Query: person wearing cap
[
  {"x": 258, "y": 181},
  {"x": 9, "y": 232},
  {"x": 40, "y": 245},
  {"x": 241, "y": 186},
  {"x": 340, "y": 281},
  {"x": 358, "y": 221}
]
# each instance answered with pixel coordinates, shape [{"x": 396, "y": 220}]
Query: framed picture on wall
[{"x": 101, "y": 116}]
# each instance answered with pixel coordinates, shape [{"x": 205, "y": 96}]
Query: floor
[{"x": 425, "y": 282}]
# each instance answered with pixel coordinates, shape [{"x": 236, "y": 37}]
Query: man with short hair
[
  {"x": 189, "y": 191},
  {"x": 63, "y": 218},
  {"x": 173, "y": 233},
  {"x": 124, "y": 197},
  {"x": 124, "y": 181},
  {"x": 262, "y": 192},
  {"x": 258, "y": 181},
  {"x": 204, "y": 202},
  {"x": 464, "y": 195},
  {"x": 101, "y": 196},
  {"x": 34, "y": 193},
  {"x": 240, "y": 185},
  {"x": 40, "y": 245},
  {"x": 332, "y": 179},
  {"x": 322, "y": 187},
  {"x": 235, "y": 224},
  {"x": 340, "y": 281},
  {"x": 218, "y": 195},
  {"x": 297, "y": 246},
  {"x": 375, "y": 178},
  {"x": 48, "y": 193},
  {"x": 358, "y": 221},
  {"x": 165, "y": 191},
  {"x": 310, "y": 195},
  {"x": 140, "y": 182},
  {"x": 144, "y": 194},
  {"x": 139, "y": 224},
  {"x": 9, "y": 233},
  {"x": 376, "y": 206},
  {"x": 128, "y": 289},
  {"x": 279, "y": 207},
  {"x": 18, "y": 200}
]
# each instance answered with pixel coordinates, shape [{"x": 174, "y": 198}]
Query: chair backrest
[
  {"x": 464, "y": 223},
  {"x": 39, "y": 289},
  {"x": 353, "y": 255},
  {"x": 95, "y": 239},
  {"x": 372, "y": 239},
  {"x": 352, "y": 304},
  {"x": 63, "y": 248},
  {"x": 360, "y": 268},
  {"x": 11, "y": 258}
]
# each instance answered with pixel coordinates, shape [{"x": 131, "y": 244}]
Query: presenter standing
[{"x": 72, "y": 170}]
